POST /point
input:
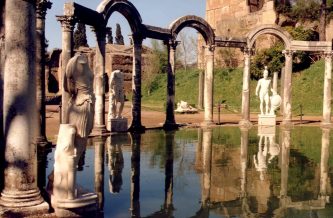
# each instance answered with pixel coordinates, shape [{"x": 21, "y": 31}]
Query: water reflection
[
  {"x": 135, "y": 175},
  {"x": 98, "y": 143},
  {"x": 116, "y": 164}
]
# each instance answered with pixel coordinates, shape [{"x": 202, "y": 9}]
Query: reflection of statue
[
  {"x": 72, "y": 137},
  {"x": 116, "y": 165},
  {"x": 261, "y": 164},
  {"x": 116, "y": 95},
  {"x": 274, "y": 148},
  {"x": 262, "y": 90}
]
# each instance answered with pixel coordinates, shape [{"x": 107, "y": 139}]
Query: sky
[{"x": 153, "y": 12}]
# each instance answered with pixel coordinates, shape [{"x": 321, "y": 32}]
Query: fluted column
[
  {"x": 209, "y": 86},
  {"x": 170, "y": 122},
  {"x": 327, "y": 100},
  {"x": 287, "y": 87},
  {"x": 20, "y": 109},
  {"x": 99, "y": 118},
  {"x": 136, "y": 125},
  {"x": 42, "y": 7},
  {"x": 246, "y": 89},
  {"x": 67, "y": 24}
]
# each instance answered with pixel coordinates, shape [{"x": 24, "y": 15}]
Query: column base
[
  {"x": 207, "y": 123},
  {"x": 326, "y": 125},
  {"x": 137, "y": 128},
  {"x": 99, "y": 130},
  {"x": 245, "y": 123},
  {"x": 43, "y": 142},
  {"x": 170, "y": 126},
  {"x": 20, "y": 199},
  {"x": 286, "y": 123}
]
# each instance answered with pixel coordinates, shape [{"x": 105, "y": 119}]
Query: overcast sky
[{"x": 153, "y": 12}]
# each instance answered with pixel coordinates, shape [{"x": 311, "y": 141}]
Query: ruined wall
[
  {"x": 118, "y": 57},
  {"x": 235, "y": 18}
]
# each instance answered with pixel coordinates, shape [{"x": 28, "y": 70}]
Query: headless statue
[
  {"x": 262, "y": 90},
  {"x": 72, "y": 137},
  {"x": 116, "y": 84}
]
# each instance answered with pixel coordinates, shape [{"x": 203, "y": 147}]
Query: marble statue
[
  {"x": 116, "y": 95},
  {"x": 184, "y": 107},
  {"x": 262, "y": 90},
  {"x": 73, "y": 136}
]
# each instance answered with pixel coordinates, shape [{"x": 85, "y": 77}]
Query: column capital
[
  {"x": 210, "y": 48},
  {"x": 247, "y": 51},
  {"x": 171, "y": 43},
  {"x": 137, "y": 39},
  {"x": 288, "y": 52},
  {"x": 328, "y": 55},
  {"x": 67, "y": 22},
  {"x": 100, "y": 32},
  {"x": 41, "y": 8}
]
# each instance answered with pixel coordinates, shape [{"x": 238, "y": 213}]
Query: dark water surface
[{"x": 221, "y": 172}]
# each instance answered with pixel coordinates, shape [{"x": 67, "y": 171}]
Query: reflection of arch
[
  {"x": 126, "y": 8},
  {"x": 269, "y": 29},
  {"x": 197, "y": 23}
]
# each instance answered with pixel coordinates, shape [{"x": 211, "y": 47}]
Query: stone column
[
  {"x": 67, "y": 24},
  {"x": 42, "y": 7},
  {"x": 275, "y": 81},
  {"x": 99, "y": 170},
  {"x": 99, "y": 118},
  {"x": 201, "y": 90},
  {"x": 135, "y": 175},
  {"x": 207, "y": 164},
  {"x": 20, "y": 109},
  {"x": 170, "y": 122},
  {"x": 209, "y": 86},
  {"x": 324, "y": 167},
  {"x": 136, "y": 125},
  {"x": 168, "y": 186},
  {"x": 243, "y": 159},
  {"x": 246, "y": 89},
  {"x": 287, "y": 87},
  {"x": 282, "y": 88},
  {"x": 327, "y": 89}
]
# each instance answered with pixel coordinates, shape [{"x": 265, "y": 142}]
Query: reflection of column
[
  {"x": 136, "y": 85},
  {"x": 170, "y": 122},
  {"x": 99, "y": 118},
  {"x": 244, "y": 148},
  {"x": 324, "y": 179},
  {"x": 42, "y": 7},
  {"x": 198, "y": 153},
  {"x": 99, "y": 170},
  {"x": 327, "y": 89},
  {"x": 246, "y": 89},
  {"x": 285, "y": 150},
  {"x": 201, "y": 90},
  {"x": 67, "y": 24},
  {"x": 135, "y": 175},
  {"x": 168, "y": 190},
  {"x": 116, "y": 165},
  {"x": 19, "y": 107},
  {"x": 288, "y": 54},
  {"x": 209, "y": 85},
  {"x": 207, "y": 164}
]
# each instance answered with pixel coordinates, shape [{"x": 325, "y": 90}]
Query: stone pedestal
[
  {"x": 118, "y": 125},
  {"x": 266, "y": 130},
  {"x": 266, "y": 120}
]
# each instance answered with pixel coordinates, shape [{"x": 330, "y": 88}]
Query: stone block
[
  {"x": 266, "y": 130},
  {"x": 118, "y": 125},
  {"x": 266, "y": 120}
]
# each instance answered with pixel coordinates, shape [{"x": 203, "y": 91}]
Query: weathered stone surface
[
  {"x": 267, "y": 120},
  {"x": 118, "y": 125}
]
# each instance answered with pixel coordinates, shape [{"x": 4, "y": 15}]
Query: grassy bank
[{"x": 307, "y": 89}]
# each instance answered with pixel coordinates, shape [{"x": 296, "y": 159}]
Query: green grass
[{"x": 307, "y": 89}]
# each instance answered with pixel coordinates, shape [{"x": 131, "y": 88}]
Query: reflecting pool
[{"x": 220, "y": 172}]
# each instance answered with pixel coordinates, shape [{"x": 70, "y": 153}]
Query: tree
[
  {"x": 80, "y": 37},
  {"x": 109, "y": 35},
  {"x": 119, "y": 37},
  {"x": 187, "y": 51},
  {"x": 322, "y": 20}
]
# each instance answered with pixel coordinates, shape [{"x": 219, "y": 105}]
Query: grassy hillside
[{"x": 307, "y": 89}]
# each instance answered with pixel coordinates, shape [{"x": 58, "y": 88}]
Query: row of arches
[{"x": 140, "y": 31}]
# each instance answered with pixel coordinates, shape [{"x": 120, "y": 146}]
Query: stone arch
[
  {"x": 269, "y": 29},
  {"x": 124, "y": 7},
  {"x": 195, "y": 22}
]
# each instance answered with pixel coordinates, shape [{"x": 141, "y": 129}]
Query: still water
[{"x": 220, "y": 172}]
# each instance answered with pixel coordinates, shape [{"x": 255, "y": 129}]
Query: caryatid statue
[
  {"x": 116, "y": 95},
  {"x": 73, "y": 136},
  {"x": 262, "y": 90}
]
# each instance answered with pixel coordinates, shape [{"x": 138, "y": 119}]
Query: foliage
[
  {"x": 119, "y": 37},
  {"x": 187, "y": 49},
  {"x": 109, "y": 35},
  {"x": 80, "y": 37}
]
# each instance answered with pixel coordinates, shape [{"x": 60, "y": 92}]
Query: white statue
[
  {"x": 262, "y": 90},
  {"x": 73, "y": 136},
  {"x": 184, "y": 107},
  {"x": 116, "y": 94}
]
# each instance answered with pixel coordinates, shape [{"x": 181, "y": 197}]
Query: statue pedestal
[
  {"x": 266, "y": 120},
  {"x": 118, "y": 125},
  {"x": 266, "y": 130}
]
